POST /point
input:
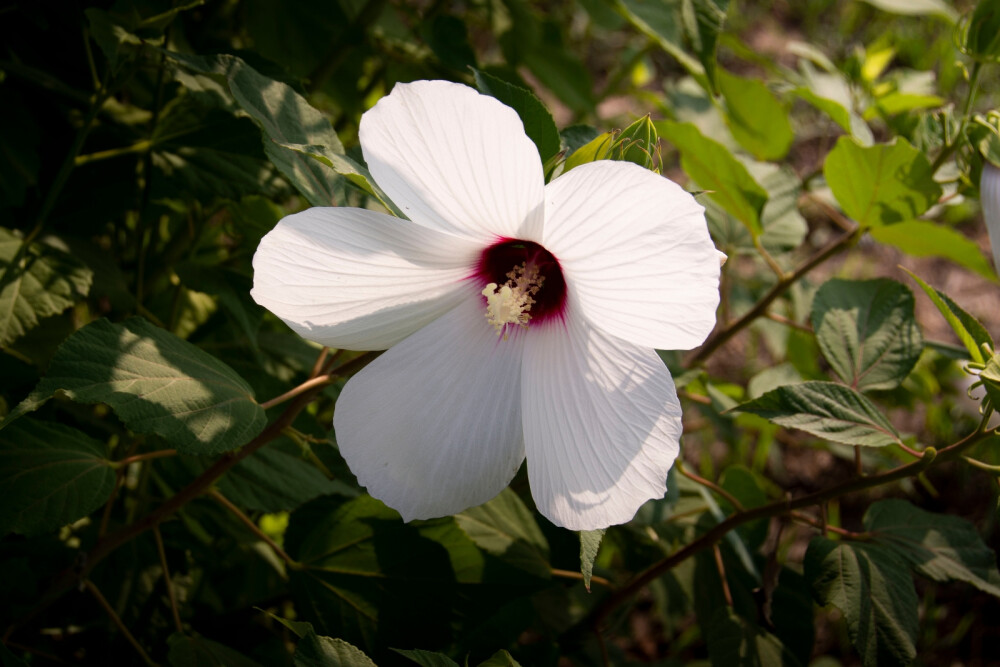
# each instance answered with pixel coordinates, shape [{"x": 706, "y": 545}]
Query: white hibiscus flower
[
  {"x": 520, "y": 318},
  {"x": 989, "y": 197}
]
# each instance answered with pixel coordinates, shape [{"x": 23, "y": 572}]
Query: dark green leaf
[
  {"x": 51, "y": 475},
  {"x": 200, "y": 652},
  {"x": 500, "y": 659},
  {"x": 826, "y": 410},
  {"x": 714, "y": 168},
  {"x": 537, "y": 120},
  {"x": 734, "y": 641},
  {"x": 982, "y": 39},
  {"x": 758, "y": 121},
  {"x": 703, "y": 21},
  {"x": 875, "y": 594},
  {"x": 317, "y": 651},
  {"x": 427, "y": 658},
  {"x": 505, "y": 528},
  {"x": 968, "y": 329},
  {"x": 156, "y": 383},
  {"x": 276, "y": 477},
  {"x": 921, "y": 238},
  {"x": 590, "y": 544},
  {"x": 867, "y": 331},
  {"x": 881, "y": 184},
  {"x": 576, "y": 136},
  {"x": 449, "y": 40},
  {"x": 942, "y": 547},
  {"x": 44, "y": 282}
]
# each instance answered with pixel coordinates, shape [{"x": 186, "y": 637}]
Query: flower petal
[
  {"x": 357, "y": 279},
  {"x": 602, "y": 424},
  {"x": 433, "y": 426},
  {"x": 989, "y": 197},
  {"x": 635, "y": 252},
  {"x": 455, "y": 160}
]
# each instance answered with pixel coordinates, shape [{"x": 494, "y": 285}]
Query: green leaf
[
  {"x": 703, "y": 21},
  {"x": 187, "y": 651},
  {"x": 500, "y": 659},
  {"x": 843, "y": 115},
  {"x": 942, "y": 547},
  {"x": 156, "y": 383},
  {"x": 537, "y": 120},
  {"x": 875, "y": 594},
  {"x": 317, "y": 651},
  {"x": 916, "y": 8},
  {"x": 590, "y": 544},
  {"x": 360, "y": 561},
  {"x": 713, "y": 167},
  {"x": 734, "y": 641},
  {"x": 826, "y": 410},
  {"x": 345, "y": 166},
  {"x": 448, "y": 38},
  {"x": 990, "y": 376},
  {"x": 968, "y": 329},
  {"x": 35, "y": 282},
  {"x": 881, "y": 184},
  {"x": 51, "y": 475},
  {"x": 758, "y": 121},
  {"x": 661, "y": 21},
  {"x": 982, "y": 39},
  {"x": 505, "y": 528},
  {"x": 921, "y": 238},
  {"x": 598, "y": 148},
  {"x": 427, "y": 658},
  {"x": 867, "y": 331}
]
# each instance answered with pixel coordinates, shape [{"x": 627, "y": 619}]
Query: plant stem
[
  {"x": 570, "y": 574},
  {"x": 89, "y": 585},
  {"x": 248, "y": 522},
  {"x": 159, "y": 454},
  {"x": 318, "y": 381},
  {"x": 166, "y": 578},
  {"x": 722, "y": 575},
  {"x": 730, "y": 498},
  {"x": 721, "y": 336}
]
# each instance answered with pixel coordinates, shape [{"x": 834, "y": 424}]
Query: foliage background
[{"x": 163, "y": 504}]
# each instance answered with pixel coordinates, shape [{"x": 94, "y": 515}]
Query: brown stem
[
  {"x": 570, "y": 574},
  {"x": 319, "y": 381},
  {"x": 721, "y": 336},
  {"x": 722, "y": 575},
  {"x": 320, "y": 360},
  {"x": 858, "y": 468},
  {"x": 89, "y": 585},
  {"x": 248, "y": 522},
  {"x": 825, "y": 527},
  {"x": 159, "y": 454},
  {"x": 737, "y": 505},
  {"x": 788, "y": 322},
  {"x": 166, "y": 579}
]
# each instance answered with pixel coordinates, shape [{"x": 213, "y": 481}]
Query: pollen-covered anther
[{"x": 508, "y": 304}]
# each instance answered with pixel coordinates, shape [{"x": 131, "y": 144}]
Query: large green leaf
[
  {"x": 44, "y": 282},
  {"x": 881, "y": 184},
  {"x": 968, "y": 329},
  {"x": 758, "y": 121},
  {"x": 505, "y": 528},
  {"x": 156, "y": 383},
  {"x": 713, "y": 167},
  {"x": 867, "y": 331},
  {"x": 318, "y": 651},
  {"x": 942, "y": 547},
  {"x": 866, "y": 583},
  {"x": 921, "y": 238},
  {"x": 734, "y": 641},
  {"x": 51, "y": 475},
  {"x": 826, "y": 410},
  {"x": 537, "y": 120},
  {"x": 187, "y": 651}
]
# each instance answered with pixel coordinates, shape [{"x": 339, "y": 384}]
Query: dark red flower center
[{"x": 498, "y": 261}]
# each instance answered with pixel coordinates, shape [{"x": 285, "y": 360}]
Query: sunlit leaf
[
  {"x": 968, "y": 329},
  {"x": 921, "y": 238},
  {"x": 318, "y": 651},
  {"x": 867, "y": 331},
  {"x": 51, "y": 475},
  {"x": 826, "y": 410},
  {"x": 881, "y": 184},
  {"x": 156, "y": 383},
  {"x": 866, "y": 583},
  {"x": 500, "y": 659},
  {"x": 758, "y": 121},
  {"x": 43, "y": 282}
]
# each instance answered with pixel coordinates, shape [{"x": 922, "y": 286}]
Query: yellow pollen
[{"x": 509, "y": 303}]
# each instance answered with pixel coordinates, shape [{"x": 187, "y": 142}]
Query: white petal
[
  {"x": 602, "y": 424},
  {"x": 636, "y": 254},
  {"x": 989, "y": 196},
  {"x": 433, "y": 426},
  {"x": 357, "y": 279},
  {"x": 455, "y": 160}
]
